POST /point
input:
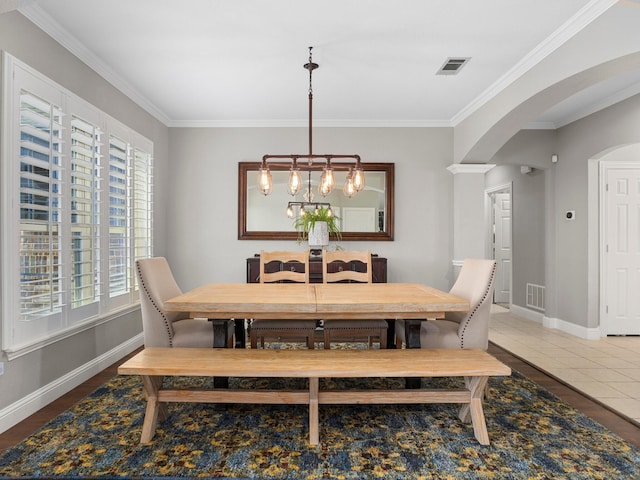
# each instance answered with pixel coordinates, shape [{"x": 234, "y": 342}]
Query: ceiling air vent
[{"x": 453, "y": 65}]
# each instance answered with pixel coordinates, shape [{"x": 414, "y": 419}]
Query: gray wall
[
  {"x": 29, "y": 44},
  {"x": 578, "y": 143}
]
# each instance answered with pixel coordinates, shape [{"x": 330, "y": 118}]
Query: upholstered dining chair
[
  {"x": 470, "y": 329},
  {"x": 290, "y": 267},
  {"x": 169, "y": 329},
  {"x": 339, "y": 266}
]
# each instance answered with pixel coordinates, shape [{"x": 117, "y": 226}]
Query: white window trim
[{"x": 108, "y": 309}]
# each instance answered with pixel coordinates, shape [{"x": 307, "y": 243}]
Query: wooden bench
[{"x": 476, "y": 366}]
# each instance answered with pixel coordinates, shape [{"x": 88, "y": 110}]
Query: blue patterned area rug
[{"x": 533, "y": 435}]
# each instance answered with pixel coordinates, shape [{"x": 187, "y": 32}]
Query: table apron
[{"x": 318, "y": 316}]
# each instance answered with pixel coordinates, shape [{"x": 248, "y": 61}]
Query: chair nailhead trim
[
  {"x": 164, "y": 317},
  {"x": 486, "y": 293}
]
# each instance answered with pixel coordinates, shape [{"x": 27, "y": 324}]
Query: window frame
[{"x": 20, "y": 337}]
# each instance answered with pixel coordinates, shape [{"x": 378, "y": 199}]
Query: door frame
[
  {"x": 603, "y": 167},
  {"x": 489, "y": 199}
]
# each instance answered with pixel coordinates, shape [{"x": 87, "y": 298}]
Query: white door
[
  {"x": 621, "y": 259},
  {"x": 502, "y": 246}
]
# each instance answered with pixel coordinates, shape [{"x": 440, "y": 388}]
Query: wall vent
[
  {"x": 535, "y": 296},
  {"x": 453, "y": 65}
]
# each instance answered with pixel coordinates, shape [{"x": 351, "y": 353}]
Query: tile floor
[{"x": 607, "y": 370}]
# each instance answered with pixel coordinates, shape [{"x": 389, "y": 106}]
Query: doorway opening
[{"x": 499, "y": 207}]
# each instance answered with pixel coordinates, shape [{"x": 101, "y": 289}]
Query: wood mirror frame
[{"x": 244, "y": 167}]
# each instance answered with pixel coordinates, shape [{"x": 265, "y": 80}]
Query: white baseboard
[
  {"x": 572, "y": 329},
  {"x": 527, "y": 313},
  {"x": 18, "y": 411},
  {"x": 556, "y": 323}
]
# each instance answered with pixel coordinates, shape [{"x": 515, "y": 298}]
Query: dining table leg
[
  {"x": 391, "y": 333},
  {"x": 220, "y": 332},
  {"x": 241, "y": 338},
  {"x": 412, "y": 339}
]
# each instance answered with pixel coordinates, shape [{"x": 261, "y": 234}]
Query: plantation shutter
[
  {"x": 142, "y": 205},
  {"x": 85, "y": 211},
  {"x": 119, "y": 249},
  {"x": 41, "y": 188}
]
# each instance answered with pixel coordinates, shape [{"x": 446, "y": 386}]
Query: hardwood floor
[
  {"x": 22, "y": 430},
  {"x": 606, "y": 417},
  {"x": 614, "y": 422}
]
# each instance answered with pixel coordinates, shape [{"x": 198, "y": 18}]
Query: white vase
[{"x": 319, "y": 235}]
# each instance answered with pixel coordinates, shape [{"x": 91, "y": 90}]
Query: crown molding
[
  {"x": 44, "y": 21},
  {"x": 584, "y": 17},
  {"x": 52, "y": 28},
  {"x": 565, "y": 32},
  {"x": 284, "y": 123}
]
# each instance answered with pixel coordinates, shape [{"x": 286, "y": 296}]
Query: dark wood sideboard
[{"x": 378, "y": 268}]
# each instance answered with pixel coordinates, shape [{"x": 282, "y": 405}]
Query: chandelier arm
[
  {"x": 316, "y": 167},
  {"x": 303, "y": 155}
]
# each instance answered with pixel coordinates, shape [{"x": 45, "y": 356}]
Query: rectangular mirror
[{"x": 367, "y": 215}]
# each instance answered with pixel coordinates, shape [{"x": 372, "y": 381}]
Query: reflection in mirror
[
  {"x": 367, "y": 215},
  {"x": 363, "y": 212}
]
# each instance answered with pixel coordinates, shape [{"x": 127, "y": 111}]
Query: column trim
[{"x": 470, "y": 168}]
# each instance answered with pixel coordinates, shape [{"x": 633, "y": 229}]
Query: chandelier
[{"x": 355, "y": 177}]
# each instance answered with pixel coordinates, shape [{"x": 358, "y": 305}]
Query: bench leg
[
  {"x": 314, "y": 434},
  {"x": 154, "y": 409},
  {"x": 464, "y": 414},
  {"x": 473, "y": 411}
]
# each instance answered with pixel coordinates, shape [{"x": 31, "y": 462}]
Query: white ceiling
[{"x": 239, "y": 62}]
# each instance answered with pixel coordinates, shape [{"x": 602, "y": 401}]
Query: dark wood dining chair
[
  {"x": 342, "y": 266},
  {"x": 292, "y": 267}
]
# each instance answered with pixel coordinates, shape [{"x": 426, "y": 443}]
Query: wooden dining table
[{"x": 222, "y": 302}]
